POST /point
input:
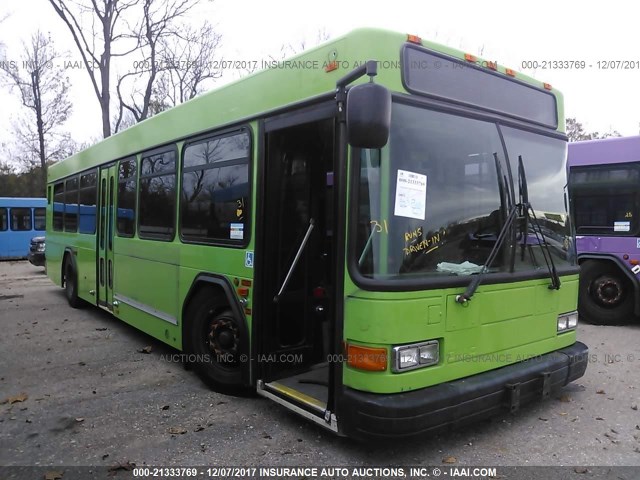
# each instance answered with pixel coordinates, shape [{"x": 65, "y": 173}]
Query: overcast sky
[{"x": 509, "y": 32}]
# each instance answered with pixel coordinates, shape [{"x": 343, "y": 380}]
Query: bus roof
[
  {"x": 282, "y": 83},
  {"x": 603, "y": 151},
  {"x": 22, "y": 202}
]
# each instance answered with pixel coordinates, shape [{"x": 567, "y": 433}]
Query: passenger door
[{"x": 105, "y": 236}]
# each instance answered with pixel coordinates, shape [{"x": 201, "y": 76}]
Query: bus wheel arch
[
  {"x": 215, "y": 337},
  {"x": 607, "y": 295}
]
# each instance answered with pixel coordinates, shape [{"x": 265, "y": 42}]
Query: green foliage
[
  {"x": 577, "y": 133},
  {"x": 21, "y": 184}
]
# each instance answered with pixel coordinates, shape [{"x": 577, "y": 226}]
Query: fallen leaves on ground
[
  {"x": 128, "y": 466},
  {"x": 449, "y": 459},
  {"x": 53, "y": 475},
  {"x": 16, "y": 398},
  {"x": 177, "y": 431},
  {"x": 147, "y": 349}
]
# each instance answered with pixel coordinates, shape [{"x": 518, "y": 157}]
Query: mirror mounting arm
[{"x": 369, "y": 68}]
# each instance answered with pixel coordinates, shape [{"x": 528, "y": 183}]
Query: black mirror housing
[{"x": 368, "y": 115}]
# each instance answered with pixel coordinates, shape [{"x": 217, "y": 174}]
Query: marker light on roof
[
  {"x": 414, "y": 39},
  {"x": 509, "y": 72},
  {"x": 469, "y": 58},
  {"x": 547, "y": 86},
  {"x": 331, "y": 67}
]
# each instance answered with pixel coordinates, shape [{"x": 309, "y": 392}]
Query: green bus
[{"x": 373, "y": 234}]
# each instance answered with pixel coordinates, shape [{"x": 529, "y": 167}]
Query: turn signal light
[{"x": 367, "y": 358}]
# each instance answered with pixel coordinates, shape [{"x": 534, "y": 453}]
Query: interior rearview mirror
[{"x": 368, "y": 115}]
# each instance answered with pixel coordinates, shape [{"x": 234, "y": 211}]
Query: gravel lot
[{"x": 79, "y": 389}]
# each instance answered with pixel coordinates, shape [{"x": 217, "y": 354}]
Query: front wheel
[
  {"x": 606, "y": 296},
  {"x": 213, "y": 340}
]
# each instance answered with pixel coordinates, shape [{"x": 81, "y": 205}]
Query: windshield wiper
[
  {"x": 523, "y": 211},
  {"x": 504, "y": 231},
  {"x": 530, "y": 216}
]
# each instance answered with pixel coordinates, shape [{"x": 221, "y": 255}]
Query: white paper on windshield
[
  {"x": 411, "y": 195},
  {"x": 621, "y": 226}
]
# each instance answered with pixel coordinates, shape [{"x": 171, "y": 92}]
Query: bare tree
[
  {"x": 2, "y": 46},
  {"x": 44, "y": 91},
  {"x": 301, "y": 45},
  {"x": 106, "y": 16},
  {"x": 189, "y": 59},
  {"x": 159, "y": 22}
]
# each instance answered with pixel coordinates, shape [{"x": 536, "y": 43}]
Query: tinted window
[
  {"x": 126, "y": 219},
  {"x": 157, "y": 195},
  {"x": 20, "y": 219},
  {"x": 58, "y": 206},
  {"x": 88, "y": 197},
  {"x": 605, "y": 200},
  {"x": 39, "y": 219},
  {"x": 544, "y": 160},
  {"x": 446, "y": 77},
  {"x": 215, "y": 189},
  {"x": 440, "y": 207},
  {"x": 3, "y": 219},
  {"x": 71, "y": 205}
]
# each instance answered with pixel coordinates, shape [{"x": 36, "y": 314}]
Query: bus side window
[
  {"x": 126, "y": 211},
  {"x": 3, "y": 219},
  {"x": 20, "y": 219},
  {"x": 58, "y": 206},
  {"x": 39, "y": 222},
  {"x": 215, "y": 189},
  {"x": 157, "y": 195},
  {"x": 87, "y": 203},
  {"x": 71, "y": 205}
]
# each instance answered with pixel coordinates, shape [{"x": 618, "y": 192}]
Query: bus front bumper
[{"x": 452, "y": 404}]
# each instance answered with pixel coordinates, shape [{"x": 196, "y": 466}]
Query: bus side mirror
[{"x": 368, "y": 115}]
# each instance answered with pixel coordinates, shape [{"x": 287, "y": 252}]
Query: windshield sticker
[
  {"x": 237, "y": 231},
  {"x": 411, "y": 195},
  {"x": 621, "y": 226},
  {"x": 248, "y": 259}
]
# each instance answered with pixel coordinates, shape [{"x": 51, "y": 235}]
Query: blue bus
[{"x": 20, "y": 220}]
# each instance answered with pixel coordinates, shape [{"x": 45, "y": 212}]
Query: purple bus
[{"x": 604, "y": 188}]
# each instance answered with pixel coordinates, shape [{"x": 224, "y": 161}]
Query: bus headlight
[
  {"x": 40, "y": 247},
  {"x": 567, "y": 321},
  {"x": 416, "y": 355}
]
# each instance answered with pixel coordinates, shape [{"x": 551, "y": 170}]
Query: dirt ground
[{"x": 80, "y": 389}]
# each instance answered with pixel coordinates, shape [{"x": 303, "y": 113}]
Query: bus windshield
[{"x": 434, "y": 201}]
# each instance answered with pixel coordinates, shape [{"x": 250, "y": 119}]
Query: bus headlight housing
[
  {"x": 567, "y": 321},
  {"x": 416, "y": 355}
]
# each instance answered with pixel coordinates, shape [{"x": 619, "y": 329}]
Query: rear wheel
[
  {"x": 606, "y": 295},
  {"x": 213, "y": 341},
  {"x": 71, "y": 284}
]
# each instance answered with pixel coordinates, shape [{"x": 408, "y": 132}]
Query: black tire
[
  {"x": 213, "y": 340},
  {"x": 71, "y": 284},
  {"x": 606, "y": 295}
]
